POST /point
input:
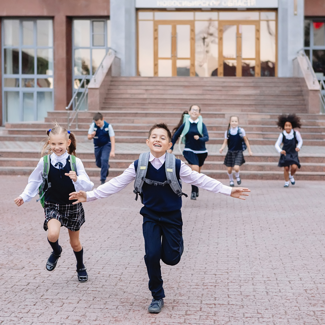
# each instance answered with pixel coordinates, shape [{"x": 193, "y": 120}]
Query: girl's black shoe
[
  {"x": 52, "y": 261},
  {"x": 193, "y": 196},
  {"x": 82, "y": 275}
]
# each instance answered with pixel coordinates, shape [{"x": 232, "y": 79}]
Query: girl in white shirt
[
  {"x": 292, "y": 143},
  {"x": 62, "y": 180},
  {"x": 234, "y": 137}
]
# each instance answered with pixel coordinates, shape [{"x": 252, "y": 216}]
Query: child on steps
[{"x": 62, "y": 180}]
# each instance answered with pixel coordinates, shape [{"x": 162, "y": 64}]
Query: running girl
[
  {"x": 194, "y": 134},
  {"x": 234, "y": 137},
  {"x": 292, "y": 143},
  {"x": 62, "y": 180}
]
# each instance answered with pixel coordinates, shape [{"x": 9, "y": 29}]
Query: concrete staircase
[{"x": 133, "y": 104}]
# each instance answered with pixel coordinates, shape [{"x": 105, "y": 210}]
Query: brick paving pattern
[{"x": 259, "y": 261}]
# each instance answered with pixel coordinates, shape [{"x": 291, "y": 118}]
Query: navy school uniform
[
  {"x": 102, "y": 143},
  {"x": 162, "y": 226},
  {"x": 57, "y": 204},
  {"x": 195, "y": 151},
  {"x": 291, "y": 157},
  {"x": 234, "y": 156}
]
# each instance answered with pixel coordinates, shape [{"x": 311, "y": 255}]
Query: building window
[
  {"x": 91, "y": 41},
  {"x": 27, "y": 65},
  {"x": 315, "y": 45}
]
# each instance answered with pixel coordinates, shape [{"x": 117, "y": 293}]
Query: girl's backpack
[
  {"x": 45, "y": 176},
  {"x": 243, "y": 144},
  {"x": 186, "y": 120}
]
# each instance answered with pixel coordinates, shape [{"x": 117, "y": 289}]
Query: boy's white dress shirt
[
  {"x": 186, "y": 174},
  {"x": 110, "y": 129},
  {"x": 35, "y": 179}
]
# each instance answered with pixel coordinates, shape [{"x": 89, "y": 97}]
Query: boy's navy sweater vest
[
  {"x": 190, "y": 142},
  {"x": 102, "y": 137},
  {"x": 160, "y": 198},
  {"x": 61, "y": 185},
  {"x": 235, "y": 142}
]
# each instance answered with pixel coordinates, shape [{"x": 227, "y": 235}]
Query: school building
[{"x": 49, "y": 47}]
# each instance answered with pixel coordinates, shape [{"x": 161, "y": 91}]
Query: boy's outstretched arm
[
  {"x": 115, "y": 185},
  {"x": 203, "y": 181}
]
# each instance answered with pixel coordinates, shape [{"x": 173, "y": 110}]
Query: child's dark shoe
[
  {"x": 231, "y": 183},
  {"x": 82, "y": 275},
  {"x": 193, "y": 196},
  {"x": 102, "y": 182},
  {"x": 238, "y": 180},
  {"x": 286, "y": 184},
  {"x": 52, "y": 261},
  {"x": 292, "y": 180},
  {"x": 156, "y": 306}
]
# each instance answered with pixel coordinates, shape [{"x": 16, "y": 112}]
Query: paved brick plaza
[{"x": 263, "y": 261}]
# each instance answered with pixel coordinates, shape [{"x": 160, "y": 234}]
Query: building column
[
  {"x": 290, "y": 34},
  {"x": 123, "y": 34}
]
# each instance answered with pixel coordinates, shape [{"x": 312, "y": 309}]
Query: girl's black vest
[
  {"x": 61, "y": 185},
  {"x": 235, "y": 142}
]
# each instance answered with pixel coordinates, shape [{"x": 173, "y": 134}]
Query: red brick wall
[
  {"x": 62, "y": 12},
  {"x": 315, "y": 8}
]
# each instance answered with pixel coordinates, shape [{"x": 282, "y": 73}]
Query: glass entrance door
[
  {"x": 239, "y": 54},
  {"x": 174, "y": 48}
]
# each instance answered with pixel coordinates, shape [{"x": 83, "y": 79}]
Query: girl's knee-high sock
[
  {"x": 79, "y": 257},
  {"x": 56, "y": 247},
  {"x": 231, "y": 177},
  {"x": 237, "y": 175},
  {"x": 194, "y": 189}
]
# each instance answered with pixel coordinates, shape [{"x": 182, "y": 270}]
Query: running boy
[
  {"x": 162, "y": 219},
  {"x": 104, "y": 142}
]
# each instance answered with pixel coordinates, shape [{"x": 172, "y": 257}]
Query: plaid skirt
[
  {"x": 70, "y": 216},
  {"x": 234, "y": 158}
]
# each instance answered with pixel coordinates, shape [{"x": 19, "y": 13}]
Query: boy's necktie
[{"x": 60, "y": 165}]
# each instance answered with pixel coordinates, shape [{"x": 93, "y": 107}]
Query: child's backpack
[
  {"x": 45, "y": 176},
  {"x": 186, "y": 120},
  {"x": 170, "y": 167},
  {"x": 243, "y": 144}
]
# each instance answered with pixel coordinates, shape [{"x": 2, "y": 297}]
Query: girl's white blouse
[
  {"x": 83, "y": 182},
  {"x": 289, "y": 136}
]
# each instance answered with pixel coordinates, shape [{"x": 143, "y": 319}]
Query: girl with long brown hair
[{"x": 62, "y": 177}]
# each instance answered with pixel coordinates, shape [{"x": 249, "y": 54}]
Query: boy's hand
[
  {"x": 112, "y": 154},
  {"x": 239, "y": 192},
  {"x": 93, "y": 134},
  {"x": 19, "y": 201},
  {"x": 297, "y": 149},
  {"x": 196, "y": 137},
  {"x": 80, "y": 196},
  {"x": 72, "y": 175},
  {"x": 283, "y": 152}
]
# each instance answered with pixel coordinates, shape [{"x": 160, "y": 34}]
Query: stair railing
[
  {"x": 77, "y": 103},
  {"x": 301, "y": 53}
]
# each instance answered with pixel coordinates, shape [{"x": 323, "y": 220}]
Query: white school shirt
[
  {"x": 35, "y": 179},
  {"x": 289, "y": 136},
  {"x": 186, "y": 174},
  {"x": 110, "y": 129},
  {"x": 234, "y": 131}
]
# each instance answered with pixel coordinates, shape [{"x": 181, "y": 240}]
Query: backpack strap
[
  {"x": 73, "y": 163},
  {"x": 45, "y": 177},
  {"x": 170, "y": 167},
  {"x": 141, "y": 173}
]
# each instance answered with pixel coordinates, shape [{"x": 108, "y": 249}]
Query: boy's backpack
[
  {"x": 294, "y": 135},
  {"x": 170, "y": 167},
  {"x": 243, "y": 144},
  {"x": 45, "y": 176}
]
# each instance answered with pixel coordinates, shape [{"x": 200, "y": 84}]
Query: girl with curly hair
[{"x": 292, "y": 143}]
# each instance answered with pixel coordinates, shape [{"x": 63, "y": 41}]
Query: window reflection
[
  {"x": 98, "y": 33},
  {"x": 27, "y": 82},
  {"x": 248, "y": 68},
  {"x": 229, "y": 41},
  {"x": 12, "y": 106},
  {"x": 248, "y": 41},
  {"x": 97, "y": 57},
  {"x": 82, "y": 62},
  {"x": 11, "y": 61},
  {"x": 27, "y": 57},
  {"x": 45, "y": 61},
  {"x": 44, "y": 32},
  {"x": 164, "y": 68},
  {"x": 28, "y": 33},
  {"x": 319, "y": 61},
  {"x": 267, "y": 47},
  {"x": 319, "y": 33},
  {"x": 11, "y": 32},
  {"x": 45, "y": 83},
  {"x": 146, "y": 48},
  {"x": 11, "y": 82},
  {"x": 206, "y": 48},
  {"x": 44, "y": 104},
  {"x": 81, "y": 33},
  {"x": 183, "y": 68},
  {"x": 28, "y": 106},
  {"x": 229, "y": 68},
  {"x": 307, "y": 33}
]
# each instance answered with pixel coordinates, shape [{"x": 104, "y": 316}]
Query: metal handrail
[
  {"x": 101, "y": 66},
  {"x": 309, "y": 66},
  {"x": 322, "y": 95}
]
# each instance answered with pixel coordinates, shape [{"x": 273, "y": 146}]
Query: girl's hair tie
[
  {"x": 69, "y": 132},
  {"x": 49, "y": 130}
]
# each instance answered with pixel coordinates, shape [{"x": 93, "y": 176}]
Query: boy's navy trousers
[
  {"x": 162, "y": 232},
  {"x": 102, "y": 158}
]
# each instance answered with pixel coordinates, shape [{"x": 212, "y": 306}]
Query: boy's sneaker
[
  {"x": 286, "y": 184},
  {"x": 193, "y": 196},
  {"x": 292, "y": 180},
  {"x": 156, "y": 306},
  {"x": 238, "y": 180},
  {"x": 231, "y": 183},
  {"x": 102, "y": 182}
]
